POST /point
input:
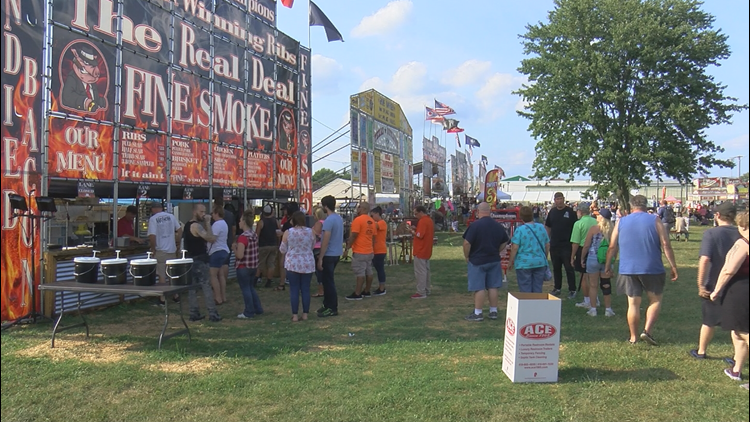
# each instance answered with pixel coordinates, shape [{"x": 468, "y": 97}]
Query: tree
[
  {"x": 618, "y": 91},
  {"x": 744, "y": 178},
  {"x": 324, "y": 176}
]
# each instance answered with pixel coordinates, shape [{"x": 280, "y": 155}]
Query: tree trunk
[{"x": 623, "y": 198}]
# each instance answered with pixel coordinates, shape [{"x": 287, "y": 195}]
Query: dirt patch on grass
[
  {"x": 194, "y": 366},
  {"x": 78, "y": 349}
]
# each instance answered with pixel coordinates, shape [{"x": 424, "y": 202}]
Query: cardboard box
[{"x": 532, "y": 337}]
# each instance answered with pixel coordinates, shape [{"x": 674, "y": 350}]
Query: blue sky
[{"x": 464, "y": 54}]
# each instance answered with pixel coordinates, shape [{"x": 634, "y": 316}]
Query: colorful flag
[
  {"x": 288, "y": 3},
  {"x": 449, "y": 124},
  {"x": 500, "y": 171},
  {"x": 318, "y": 18},
  {"x": 443, "y": 109},
  {"x": 484, "y": 160},
  {"x": 431, "y": 114},
  {"x": 458, "y": 141},
  {"x": 471, "y": 142}
]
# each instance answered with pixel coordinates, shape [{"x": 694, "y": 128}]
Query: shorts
[
  {"x": 593, "y": 266},
  {"x": 267, "y": 258},
  {"x": 485, "y": 276},
  {"x": 362, "y": 264},
  {"x": 711, "y": 312},
  {"x": 216, "y": 260},
  {"x": 161, "y": 265},
  {"x": 577, "y": 264},
  {"x": 633, "y": 285},
  {"x": 229, "y": 257}
]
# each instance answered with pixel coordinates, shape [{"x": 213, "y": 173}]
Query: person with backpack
[
  {"x": 596, "y": 245},
  {"x": 666, "y": 215}
]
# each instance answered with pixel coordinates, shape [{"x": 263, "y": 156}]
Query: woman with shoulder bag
[{"x": 529, "y": 252}]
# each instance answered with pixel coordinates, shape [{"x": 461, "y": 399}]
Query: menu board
[
  {"x": 189, "y": 162},
  {"x": 143, "y": 156}
]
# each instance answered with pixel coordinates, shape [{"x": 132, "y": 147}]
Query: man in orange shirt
[
  {"x": 381, "y": 250},
  {"x": 422, "y": 248},
  {"x": 362, "y": 243}
]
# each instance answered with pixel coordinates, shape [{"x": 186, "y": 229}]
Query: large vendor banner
[
  {"x": 304, "y": 117},
  {"x": 21, "y": 99}
]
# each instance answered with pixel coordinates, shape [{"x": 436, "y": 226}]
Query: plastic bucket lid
[
  {"x": 179, "y": 261},
  {"x": 114, "y": 261},
  {"x": 145, "y": 261},
  {"x": 86, "y": 260}
]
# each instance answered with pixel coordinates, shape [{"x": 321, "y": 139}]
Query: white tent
[{"x": 340, "y": 188}]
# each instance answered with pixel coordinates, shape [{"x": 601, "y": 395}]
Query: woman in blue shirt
[{"x": 529, "y": 252}]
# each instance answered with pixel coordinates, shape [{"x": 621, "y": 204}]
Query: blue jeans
[
  {"x": 530, "y": 280},
  {"x": 330, "y": 298},
  {"x": 246, "y": 280},
  {"x": 378, "y": 262},
  {"x": 299, "y": 282}
]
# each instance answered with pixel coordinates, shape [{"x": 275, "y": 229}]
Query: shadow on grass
[{"x": 647, "y": 375}]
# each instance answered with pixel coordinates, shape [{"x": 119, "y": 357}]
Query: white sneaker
[
  {"x": 609, "y": 313},
  {"x": 583, "y": 305},
  {"x": 591, "y": 312}
]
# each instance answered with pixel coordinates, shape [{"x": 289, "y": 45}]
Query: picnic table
[{"x": 119, "y": 289}]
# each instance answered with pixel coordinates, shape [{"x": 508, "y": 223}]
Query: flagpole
[{"x": 309, "y": 45}]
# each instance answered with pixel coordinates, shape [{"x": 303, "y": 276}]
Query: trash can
[{"x": 531, "y": 349}]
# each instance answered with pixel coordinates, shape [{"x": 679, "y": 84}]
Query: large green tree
[
  {"x": 324, "y": 176},
  {"x": 618, "y": 90}
]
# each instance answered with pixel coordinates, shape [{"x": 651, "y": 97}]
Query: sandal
[
  {"x": 279, "y": 288},
  {"x": 318, "y": 295}
]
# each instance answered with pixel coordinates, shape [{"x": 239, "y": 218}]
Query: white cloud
[
  {"x": 326, "y": 75},
  {"x": 467, "y": 73},
  {"x": 738, "y": 142},
  {"x": 404, "y": 87},
  {"x": 495, "y": 96},
  {"x": 325, "y": 67},
  {"x": 390, "y": 17}
]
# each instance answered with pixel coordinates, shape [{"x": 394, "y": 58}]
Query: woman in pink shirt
[{"x": 299, "y": 262}]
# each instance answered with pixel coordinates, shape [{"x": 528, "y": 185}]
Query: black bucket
[
  {"x": 115, "y": 271},
  {"x": 143, "y": 271},
  {"x": 86, "y": 269},
  {"x": 178, "y": 271}
]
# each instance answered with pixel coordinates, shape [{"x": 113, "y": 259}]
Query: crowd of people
[{"x": 580, "y": 244}]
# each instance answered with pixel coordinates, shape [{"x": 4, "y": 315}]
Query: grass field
[{"x": 385, "y": 358}]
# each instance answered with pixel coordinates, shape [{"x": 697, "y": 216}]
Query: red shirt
[
  {"x": 423, "y": 238},
  {"x": 125, "y": 227}
]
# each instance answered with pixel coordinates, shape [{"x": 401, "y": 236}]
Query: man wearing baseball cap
[{"x": 267, "y": 230}]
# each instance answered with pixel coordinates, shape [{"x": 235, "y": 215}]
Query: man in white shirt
[{"x": 164, "y": 230}]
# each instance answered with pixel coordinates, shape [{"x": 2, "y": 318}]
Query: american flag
[
  {"x": 500, "y": 172},
  {"x": 484, "y": 160},
  {"x": 443, "y": 109},
  {"x": 458, "y": 141}
]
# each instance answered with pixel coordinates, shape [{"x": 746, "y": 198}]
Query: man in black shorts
[{"x": 714, "y": 248}]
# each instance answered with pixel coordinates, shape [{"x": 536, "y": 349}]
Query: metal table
[{"x": 118, "y": 289}]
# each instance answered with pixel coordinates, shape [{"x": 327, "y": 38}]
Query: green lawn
[{"x": 384, "y": 358}]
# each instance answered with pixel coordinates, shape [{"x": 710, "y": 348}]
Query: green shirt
[{"x": 581, "y": 229}]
